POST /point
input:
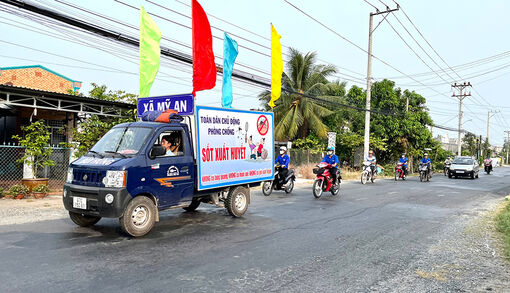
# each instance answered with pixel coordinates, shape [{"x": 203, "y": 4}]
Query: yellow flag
[
  {"x": 150, "y": 51},
  {"x": 276, "y": 66}
]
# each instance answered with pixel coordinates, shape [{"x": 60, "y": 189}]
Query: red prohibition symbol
[{"x": 262, "y": 125}]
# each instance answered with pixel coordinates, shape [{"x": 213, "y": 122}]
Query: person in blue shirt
[
  {"x": 283, "y": 160},
  {"x": 403, "y": 160},
  {"x": 331, "y": 159},
  {"x": 426, "y": 161}
]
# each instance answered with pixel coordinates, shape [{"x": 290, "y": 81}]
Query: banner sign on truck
[
  {"x": 183, "y": 104},
  {"x": 234, "y": 146}
]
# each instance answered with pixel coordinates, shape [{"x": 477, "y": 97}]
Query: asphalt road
[{"x": 388, "y": 236}]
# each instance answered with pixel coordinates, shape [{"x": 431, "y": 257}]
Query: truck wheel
[
  {"x": 139, "y": 216},
  {"x": 193, "y": 205},
  {"x": 267, "y": 187},
  {"x": 83, "y": 220},
  {"x": 237, "y": 201}
]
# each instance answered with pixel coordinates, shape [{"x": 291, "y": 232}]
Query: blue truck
[{"x": 138, "y": 169}]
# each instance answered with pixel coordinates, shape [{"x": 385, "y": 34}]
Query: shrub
[
  {"x": 41, "y": 188},
  {"x": 1, "y": 192},
  {"x": 37, "y": 153},
  {"x": 503, "y": 226},
  {"x": 19, "y": 189}
]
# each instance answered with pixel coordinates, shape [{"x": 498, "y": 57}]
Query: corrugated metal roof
[{"x": 29, "y": 91}]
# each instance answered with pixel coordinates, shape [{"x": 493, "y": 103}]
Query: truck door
[{"x": 172, "y": 174}]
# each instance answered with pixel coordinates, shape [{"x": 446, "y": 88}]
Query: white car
[{"x": 464, "y": 166}]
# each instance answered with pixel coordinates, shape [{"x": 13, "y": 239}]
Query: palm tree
[{"x": 295, "y": 114}]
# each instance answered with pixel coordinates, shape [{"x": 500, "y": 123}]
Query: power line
[
  {"x": 421, "y": 59},
  {"x": 354, "y": 44}
]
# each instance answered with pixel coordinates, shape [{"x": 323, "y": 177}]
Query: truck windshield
[{"x": 122, "y": 140}]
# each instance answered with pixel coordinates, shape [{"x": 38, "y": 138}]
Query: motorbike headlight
[
  {"x": 70, "y": 176},
  {"x": 115, "y": 179}
]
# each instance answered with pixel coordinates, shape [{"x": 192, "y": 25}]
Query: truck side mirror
[{"x": 157, "y": 151}]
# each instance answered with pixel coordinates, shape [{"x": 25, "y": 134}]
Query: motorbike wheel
[
  {"x": 317, "y": 188},
  {"x": 444, "y": 171},
  {"x": 421, "y": 176},
  {"x": 289, "y": 186},
  {"x": 267, "y": 188},
  {"x": 372, "y": 178},
  {"x": 364, "y": 177},
  {"x": 396, "y": 175},
  {"x": 336, "y": 189}
]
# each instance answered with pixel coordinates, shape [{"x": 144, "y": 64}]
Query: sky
[{"x": 464, "y": 34}]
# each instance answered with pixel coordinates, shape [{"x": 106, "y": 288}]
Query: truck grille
[{"x": 88, "y": 177}]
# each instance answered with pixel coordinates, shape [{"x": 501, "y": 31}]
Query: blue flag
[{"x": 229, "y": 57}]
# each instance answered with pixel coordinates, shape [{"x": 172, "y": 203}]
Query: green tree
[
  {"x": 470, "y": 144},
  {"x": 92, "y": 128},
  {"x": 36, "y": 142},
  {"x": 486, "y": 148},
  {"x": 295, "y": 114},
  {"x": 391, "y": 133}
]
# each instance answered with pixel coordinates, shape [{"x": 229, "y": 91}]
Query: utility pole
[
  {"x": 369, "y": 74},
  {"x": 460, "y": 87},
  {"x": 488, "y": 121},
  {"x": 507, "y": 144}
]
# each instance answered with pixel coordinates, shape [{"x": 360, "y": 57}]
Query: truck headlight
[
  {"x": 70, "y": 176},
  {"x": 115, "y": 179}
]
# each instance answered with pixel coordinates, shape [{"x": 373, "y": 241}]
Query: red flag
[{"x": 204, "y": 68}]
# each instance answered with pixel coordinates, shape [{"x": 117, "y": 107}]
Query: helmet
[
  {"x": 330, "y": 149},
  {"x": 283, "y": 148},
  {"x": 370, "y": 151},
  {"x": 404, "y": 154},
  {"x": 425, "y": 154}
]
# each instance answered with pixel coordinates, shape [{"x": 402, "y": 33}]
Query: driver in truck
[{"x": 166, "y": 142}]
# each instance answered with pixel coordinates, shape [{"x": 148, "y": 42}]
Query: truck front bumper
[{"x": 95, "y": 200}]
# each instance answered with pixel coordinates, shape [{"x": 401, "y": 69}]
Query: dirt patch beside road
[
  {"x": 31, "y": 210},
  {"x": 467, "y": 257}
]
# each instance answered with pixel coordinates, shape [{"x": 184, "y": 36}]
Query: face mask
[
  {"x": 282, "y": 152},
  {"x": 330, "y": 153}
]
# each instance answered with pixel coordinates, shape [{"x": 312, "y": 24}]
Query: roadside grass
[{"x": 503, "y": 226}]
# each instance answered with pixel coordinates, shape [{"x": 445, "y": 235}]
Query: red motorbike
[
  {"x": 399, "y": 172},
  {"x": 324, "y": 181}
]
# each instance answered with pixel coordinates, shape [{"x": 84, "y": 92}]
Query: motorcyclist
[
  {"x": 427, "y": 161},
  {"x": 488, "y": 163},
  {"x": 283, "y": 161},
  {"x": 403, "y": 159},
  {"x": 448, "y": 160},
  {"x": 373, "y": 162},
  {"x": 331, "y": 159}
]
